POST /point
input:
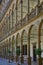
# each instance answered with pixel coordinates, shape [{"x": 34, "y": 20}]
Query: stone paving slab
[{"x": 5, "y": 62}]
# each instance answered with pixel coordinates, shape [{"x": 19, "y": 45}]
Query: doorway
[
  {"x": 34, "y": 55},
  {"x": 24, "y": 49}
]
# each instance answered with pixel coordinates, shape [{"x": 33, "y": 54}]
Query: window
[
  {"x": 32, "y": 4},
  {"x": 14, "y": 16},
  {"x": 10, "y": 21},
  {"x": 24, "y": 49}
]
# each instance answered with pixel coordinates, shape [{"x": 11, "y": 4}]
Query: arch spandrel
[
  {"x": 30, "y": 29},
  {"x": 13, "y": 40},
  {"x": 24, "y": 36},
  {"x": 23, "y": 33}
]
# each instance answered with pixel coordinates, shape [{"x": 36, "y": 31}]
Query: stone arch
[
  {"x": 13, "y": 39},
  {"x": 18, "y": 35},
  {"x": 29, "y": 39},
  {"x": 24, "y": 42},
  {"x": 22, "y": 34},
  {"x": 10, "y": 47},
  {"x": 39, "y": 34},
  {"x": 32, "y": 37}
]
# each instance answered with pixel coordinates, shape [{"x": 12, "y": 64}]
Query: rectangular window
[{"x": 24, "y": 49}]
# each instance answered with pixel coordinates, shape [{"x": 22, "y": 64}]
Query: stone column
[
  {"x": 3, "y": 51},
  {"x": 12, "y": 48},
  {"x": 39, "y": 44},
  {"x": 16, "y": 12},
  {"x": 7, "y": 50},
  {"x": 38, "y": 2},
  {"x": 9, "y": 47},
  {"x": 22, "y": 58},
  {"x": 37, "y": 7},
  {"x": 21, "y": 11},
  {"x": 16, "y": 57},
  {"x": 28, "y": 9},
  {"x": 29, "y": 58}
]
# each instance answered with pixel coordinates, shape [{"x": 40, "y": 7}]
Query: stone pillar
[
  {"x": 37, "y": 7},
  {"x": 28, "y": 46},
  {"x": 3, "y": 51},
  {"x": 38, "y": 1},
  {"x": 39, "y": 61},
  {"x": 16, "y": 12},
  {"x": 28, "y": 9},
  {"x": 29, "y": 58},
  {"x": 16, "y": 57},
  {"x": 6, "y": 52},
  {"x": 22, "y": 58},
  {"x": 12, "y": 48},
  {"x": 39, "y": 44},
  {"x": 21, "y": 11},
  {"x": 9, "y": 47}
]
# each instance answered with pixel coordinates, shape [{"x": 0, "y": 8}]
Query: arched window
[
  {"x": 41, "y": 1},
  {"x": 10, "y": 19},
  {"x": 25, "y": 7},
  {"x": 32, "y": 4},
  {"x": 24, "y": 42},
  {"x": 18, "y": 10},
  {"x": 18, "y": 40},
  {"x": 33, "y": 41},
  {"x": 13, "y": 15}
]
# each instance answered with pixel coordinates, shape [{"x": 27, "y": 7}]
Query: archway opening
[
  {"x": 41, "y": 39},
  {"x": 18, "y": 40},
  {"x": 33, "y": 42},
  {"x": 24, "y": 42}
]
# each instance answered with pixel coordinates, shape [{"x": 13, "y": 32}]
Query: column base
[
  {"x": 29, "y": 60},
  {"x": 9, "y": 59},
  {"x": 40, "y": 61},
  {"x": 18, "y": 64},
  {"x": 16, "y": 58},
  {"x": 22, "y": 59},
  {"x": 12, "y": 58}
]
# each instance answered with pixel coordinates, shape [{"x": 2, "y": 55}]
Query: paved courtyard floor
[{"x": 5, "y": 62}]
